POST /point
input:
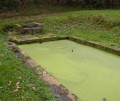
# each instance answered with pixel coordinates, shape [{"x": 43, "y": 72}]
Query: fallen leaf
[
  {"x": 15, "y": 90},
  {"x": 30, "y": 85},
  {"x": 22, "y": 97},
  {"x": 33, "y": 88},
  {"x": 20, "y": 77},
  {"x": 1, "y": 87},
  {"x": 10, "y": 83},
  {"x": 17, "y": 83},
  {"x": 17, "y": 87}
]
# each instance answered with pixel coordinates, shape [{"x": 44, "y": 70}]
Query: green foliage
[
  {"x": 38, "y": 1},
  {"x": 8, "y": 27},
  {"x": 8, "y": 5}
]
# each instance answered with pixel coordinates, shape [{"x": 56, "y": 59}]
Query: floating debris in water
[
  {"x": 40, "y": 42},
  {"x": 104, "y": 99}
]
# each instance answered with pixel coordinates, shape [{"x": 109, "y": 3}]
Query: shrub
[
  {"x": 97, "y": 19},
  {"x": 6, "y": 5}
]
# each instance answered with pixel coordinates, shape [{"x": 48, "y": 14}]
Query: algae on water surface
[{"x": 89, "y": 73}]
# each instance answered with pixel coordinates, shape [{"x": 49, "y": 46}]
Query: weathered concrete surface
[
  {"x": 32, "y": 28},
  {"x": 26, "y": 39}
]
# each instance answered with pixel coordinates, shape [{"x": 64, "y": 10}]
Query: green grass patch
[
  {"x": 97, "y": 25},
  {"x": 14, "y": 73}
]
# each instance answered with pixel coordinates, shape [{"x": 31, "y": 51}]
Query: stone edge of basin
[
  {"x": 61, "y": 92},
  {"x": 110, "y": 49}
]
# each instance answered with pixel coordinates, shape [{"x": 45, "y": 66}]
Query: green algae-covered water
[{"x": 89, "y": 73}]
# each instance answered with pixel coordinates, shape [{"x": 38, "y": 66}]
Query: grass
[
  {"x": 13, "y": 72},
  {"x": 97, "y": 25}
]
